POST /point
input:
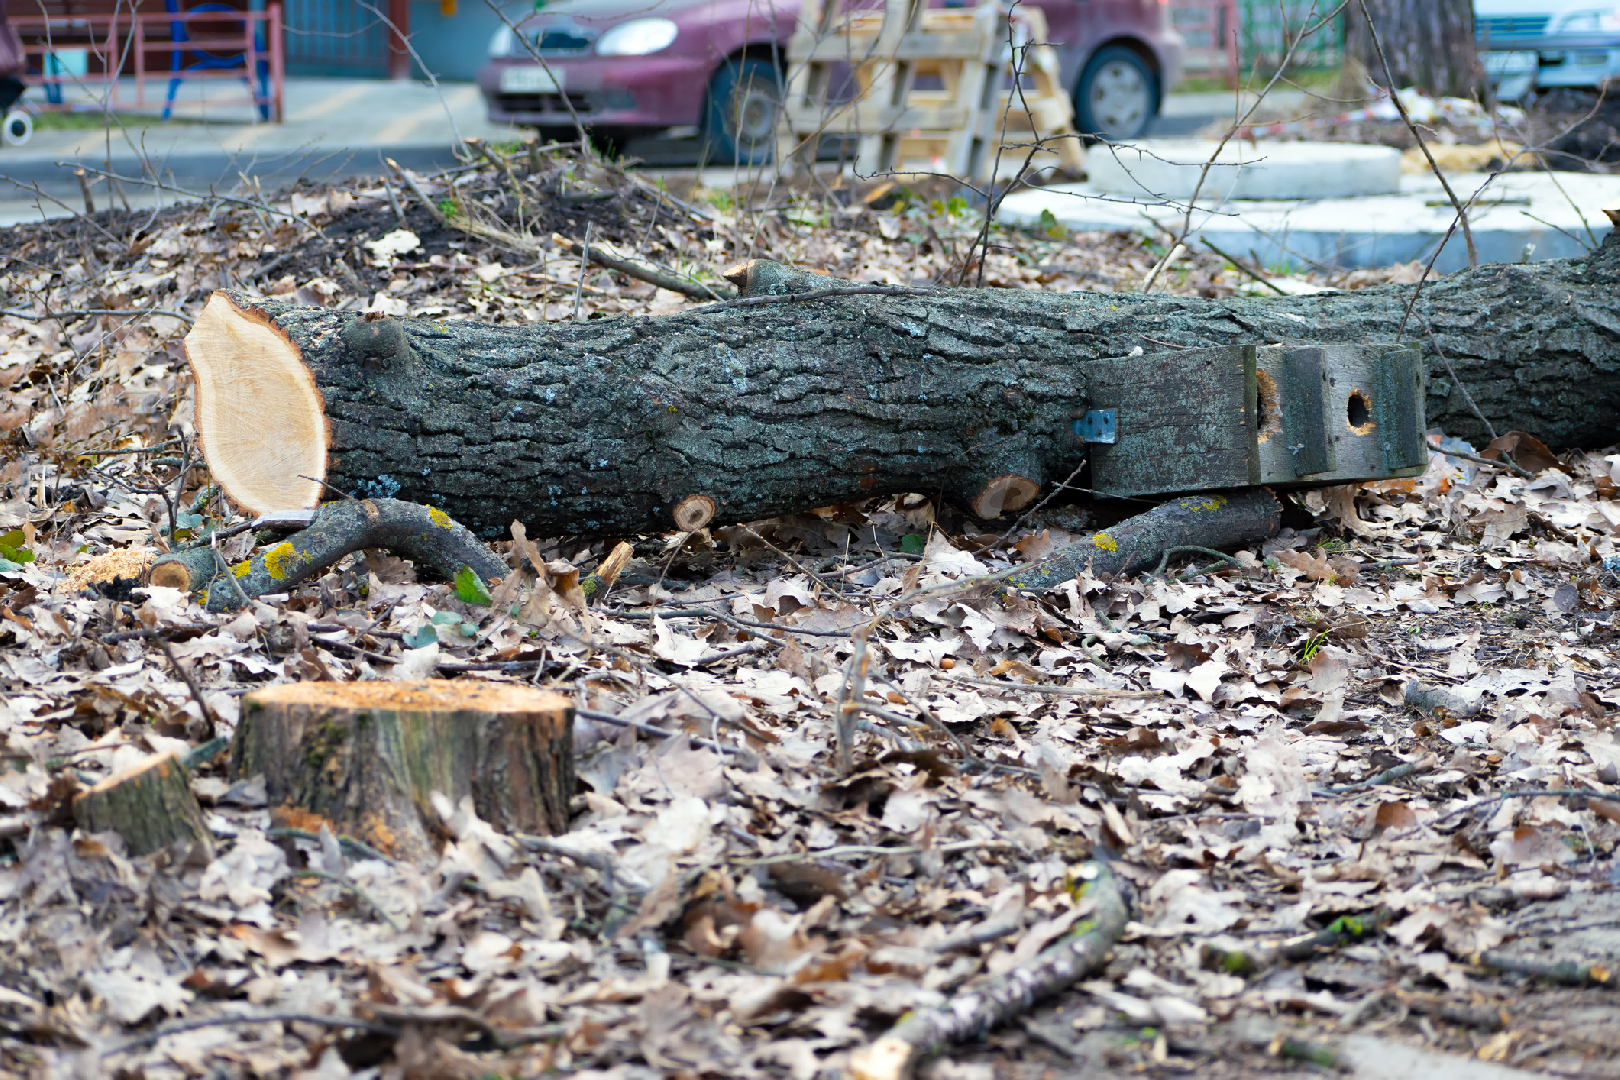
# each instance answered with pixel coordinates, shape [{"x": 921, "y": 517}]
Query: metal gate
[{"x": 337, "y": 38}]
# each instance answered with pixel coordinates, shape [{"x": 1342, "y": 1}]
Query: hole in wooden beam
[
  {"x": 1267, "y": 411},
  {"x": 1358, "y": 413}
]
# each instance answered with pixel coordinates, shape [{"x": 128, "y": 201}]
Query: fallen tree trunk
[{"x": 806, "y": 392}]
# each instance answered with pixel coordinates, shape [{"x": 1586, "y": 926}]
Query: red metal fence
[
  {"x": 197, "y": 45},
  {"x": 1211, "y": 31}
]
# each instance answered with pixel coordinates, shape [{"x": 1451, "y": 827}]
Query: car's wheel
[
  {"x": 18, "y": 129},
  {"x": 745, "y": 97},
  {"x": 1117, "y": 95}
]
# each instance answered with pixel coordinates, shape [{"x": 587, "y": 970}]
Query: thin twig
[
  {"x": 658, "y": 732},
  {"x": 1400, "y": 107},
  {"x": 1243, "y": 268},
  {"x": 152, "y": 1038},
  {"x": 1458, "y": 383},
  {"x": 1480, "y": 804},
  {"x": 816, "y": 294},
  {"x": 1057, "y": 691},
  {"x": 17, "y": 313},
  {"x": 416, "y": 189},
  {"x": 1476, "y": 459},
  {"x": 1388, "y": 776},
  {"x": 350, "y": 887},
  {"x": 584, "y": 264}
]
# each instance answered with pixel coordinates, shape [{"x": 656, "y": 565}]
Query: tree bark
[
  {"x": 151, "y": 806},
  {"x": 1429, "y": 44},
  {"x": 798, "y": 395},
  {"x": 368, "y": 756}
]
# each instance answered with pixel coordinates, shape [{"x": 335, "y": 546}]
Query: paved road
[{"x": 333, "y": 127}]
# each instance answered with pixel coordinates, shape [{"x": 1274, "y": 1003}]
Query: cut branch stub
[
  {"x": 176, "y": 573},
  {"x": 1003, "y": 494},
  {"x": 693, "y": 513},
  {"x": 368, "y": 756}
]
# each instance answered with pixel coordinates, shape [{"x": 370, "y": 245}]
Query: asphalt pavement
[{"x": 332, "y": 128}]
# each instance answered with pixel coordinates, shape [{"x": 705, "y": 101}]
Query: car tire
[
  {"x": 18, "y": 129},
  {"x": 1117, "y": 95},
  {"x": 739, "y": 128}
]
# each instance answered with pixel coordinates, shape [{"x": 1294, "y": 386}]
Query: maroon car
[{"x": 628, "y": 67}]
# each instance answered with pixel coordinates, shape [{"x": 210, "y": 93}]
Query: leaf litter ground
[{"x": 1324, "y": 876}]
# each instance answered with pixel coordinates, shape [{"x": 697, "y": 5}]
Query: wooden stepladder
[{"x": 969, "y": 54}]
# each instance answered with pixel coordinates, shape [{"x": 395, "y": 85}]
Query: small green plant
[
  {"x": 809, "y": 218},
  {"x": 1311, "y": 646},
  {"x": 1050, "y": 227},
  {"x": 911, "y": 544},
  {"x": 470, "y": 588},
  {"x": 13, "y": 553},
  {"x": 447, "y": 207}
]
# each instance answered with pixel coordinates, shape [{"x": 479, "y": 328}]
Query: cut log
[
  {"x": 790, "y": 398},
  {"x": 369, "y": 756},
  {"x": 423, "y": 533},
  {"x": 151, "y": 806}
]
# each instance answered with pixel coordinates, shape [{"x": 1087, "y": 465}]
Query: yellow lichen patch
[
  {"x": 280, "y": 560},
  {"x": 1106, "y": 542},
  {"x": 1214, "y": 502},
  {"x": 439, "y": 518},
  {"x": 241, "y": 569}
]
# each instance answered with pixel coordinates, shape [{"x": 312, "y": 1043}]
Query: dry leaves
[{"x": 725, "y": 902}]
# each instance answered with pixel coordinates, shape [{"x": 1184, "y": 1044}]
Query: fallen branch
[
  {"x": 998, "y": 999},
  {"x": 695, "y": 289},
  {"x": 1230, "y": 520},
  {"x": 1564, "y": 973},
  {"x": 425, "y": 534},
  {"x": 821, "y": 393}
]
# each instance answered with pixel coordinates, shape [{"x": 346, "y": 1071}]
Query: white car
[{"x": 1525, "y": 44}]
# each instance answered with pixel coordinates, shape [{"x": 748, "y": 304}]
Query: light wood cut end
[
  {"x": 432, "y": 695},
  {"x": 694, "y": 512},
  {"x": 259, "y": 415},
  {"x": 170, "y": 575},
  {"x": 1004, "y": 493}
]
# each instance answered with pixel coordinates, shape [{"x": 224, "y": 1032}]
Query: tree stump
[
  {"x": 368, "y": 756},
  {"x": 151, "y": 806}
]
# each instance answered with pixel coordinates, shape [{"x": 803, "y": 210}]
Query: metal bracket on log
[{"x": 1241, "y": 415}]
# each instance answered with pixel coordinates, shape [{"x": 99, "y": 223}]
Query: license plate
[
  {"x": 1511, "y": 63},
  {"x": 530, "y": 80}
]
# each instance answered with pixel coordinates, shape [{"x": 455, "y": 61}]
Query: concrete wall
[{"x": 342, "y": 38}]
